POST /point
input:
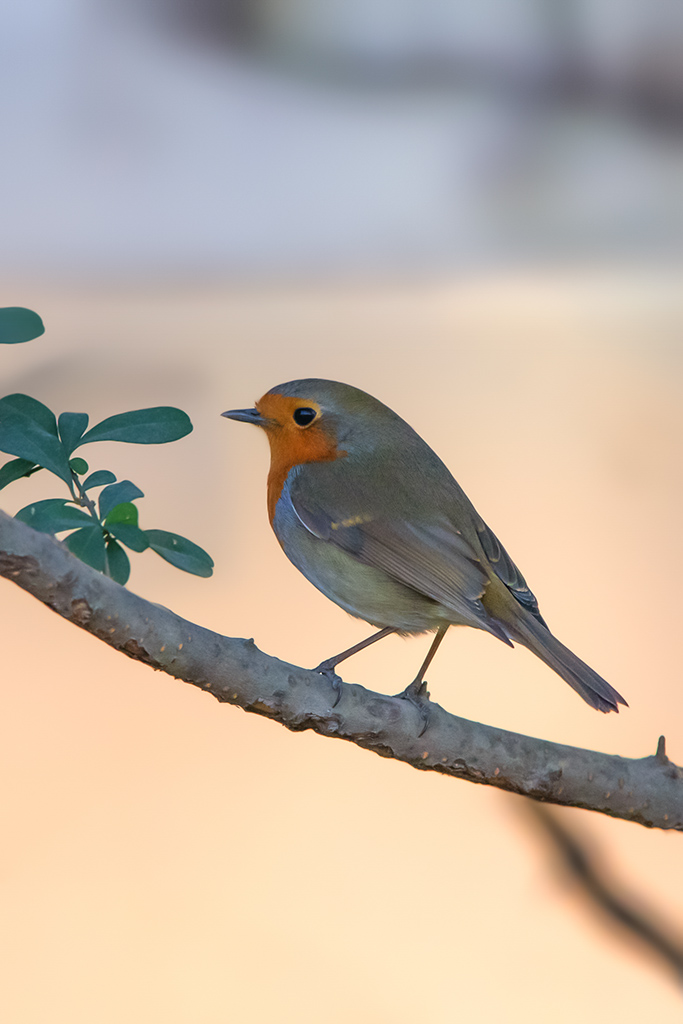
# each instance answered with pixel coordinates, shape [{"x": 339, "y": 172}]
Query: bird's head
[{"x": 317, "y": 420}]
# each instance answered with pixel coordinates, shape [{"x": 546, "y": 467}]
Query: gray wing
[
  {"x": 432, "y": 558},
  {"x": 506, "y": 570}
]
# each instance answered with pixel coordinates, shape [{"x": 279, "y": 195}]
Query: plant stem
[{"x": 83, "y": 498}]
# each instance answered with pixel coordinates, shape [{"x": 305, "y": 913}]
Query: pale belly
[{"x": 361, "y": 590}]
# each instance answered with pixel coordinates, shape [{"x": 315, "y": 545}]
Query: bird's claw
[
  {"x": 326, "y": 669},
  {"x": 418, "y": 695}
]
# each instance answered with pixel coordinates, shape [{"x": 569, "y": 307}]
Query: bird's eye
[{"x": 304, "y": 416}]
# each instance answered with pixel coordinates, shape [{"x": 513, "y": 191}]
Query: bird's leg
[
  {"x": 331, "y": 663},
  {"x": 417, "y": 688},
  {"x": 327, "y": 668},
  {"x": 416, "y": 692}
]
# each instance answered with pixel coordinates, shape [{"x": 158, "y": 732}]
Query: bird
[{"x": 373, "y": 518}]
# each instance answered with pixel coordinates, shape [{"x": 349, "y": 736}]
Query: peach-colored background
[{"x": 166, "y": 858}]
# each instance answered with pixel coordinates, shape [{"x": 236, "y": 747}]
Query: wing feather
[
  {"x": 432, "y": 558},
  {"x": 506, "y": 570}
]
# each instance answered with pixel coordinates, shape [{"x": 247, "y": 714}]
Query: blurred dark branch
[
  {"x": 619, "y": 906},
  {"x": 646, "y": 790}
]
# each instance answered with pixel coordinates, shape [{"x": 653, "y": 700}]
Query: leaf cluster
[{"x": 98, "y": 528}]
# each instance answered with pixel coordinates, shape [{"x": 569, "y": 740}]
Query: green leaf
[
  {"x": 53, "y": 515},
  {"x": 118, "y": 563},
  {"x": 28, "y": 429},
  {"x": 31, "y": 407},
  {"x": 142, "y": 426},
  {"x": 18, "y": 325},
  {"x": 72, "y": 425},
  {"x": 88, "y": 545},
  {"x": 124, "y": 512},
  {"x": 117, "y": 493},
  {"x": 132, "y": 536},
  {"x": 122, "y": 521},
  {"x": 180, "y": 552},
  {"x": 98, "y": 479},
  {"x": 79, "y": 466},
  {"x": 19, "y": 436},
  {"x": 15, "y": 469}
]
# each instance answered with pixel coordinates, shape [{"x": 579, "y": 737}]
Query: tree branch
[
  {"x": 646, "y": 790},
  {"x": 604, "y": 891}
]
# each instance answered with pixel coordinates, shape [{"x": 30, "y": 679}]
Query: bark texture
[{"x": 646, "y": 790}]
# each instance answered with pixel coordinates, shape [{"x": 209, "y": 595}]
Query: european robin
[{"x": 373, "y": 518}]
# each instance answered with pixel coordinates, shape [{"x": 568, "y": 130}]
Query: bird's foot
[
  {"x": 326, "y": 668},
  {"x": 418, "y": 695}
]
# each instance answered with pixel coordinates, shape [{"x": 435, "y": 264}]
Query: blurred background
[
  {"x": 298, "y": 135},
  {"x": 473, "y": 212}
]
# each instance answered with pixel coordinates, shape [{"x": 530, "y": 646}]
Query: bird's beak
[{"x": 246, "y": 416}]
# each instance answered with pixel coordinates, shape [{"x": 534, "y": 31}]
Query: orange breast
[{"x": 291, "y": 445}]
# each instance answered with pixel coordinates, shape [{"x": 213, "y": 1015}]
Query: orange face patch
[{"x": 292, "y": 444}]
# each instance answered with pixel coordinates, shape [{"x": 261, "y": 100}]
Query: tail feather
[{"x": 595, "y": 690}]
